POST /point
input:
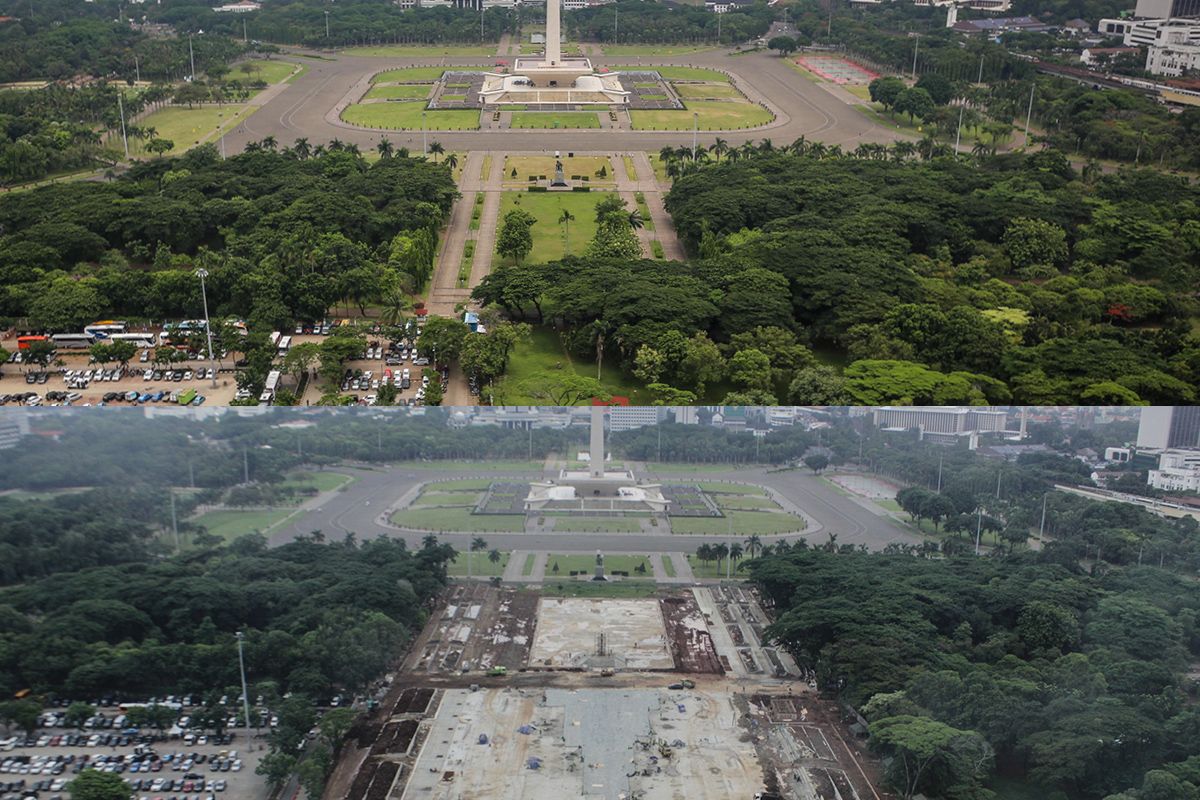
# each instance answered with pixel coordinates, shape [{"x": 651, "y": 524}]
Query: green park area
[
  {"x": 555, "y": 119},
  {"x": 459, "y": 499},
  {"x": 542, "y": 355},
  {"x": 709, "y": 90},
  {"x": 739, "y": 523},
  {"x": 421, "y": 51},
  {"x": 497, "y": 465},
  {"x": 188, "y": 127},
  {"x": 553, "y": 239},
  {"x": 267, "y": 71},
  {"x": 710, "y": 569},
  {"x": 717, "y": 488},
  {"x": 481, "y": 565},
  {"x": 456, "y": 519},
  {"x": 321, "y": 481},
  {"x": 584, "y": 166},
  {"x": 458, "y": 485},
  {"x": 655, "y": 50},
  {"x": 408, "y": 75},
  {"x": 409, "y": 115},
  {"x": 612, "y": 589},
  {"x": 746, "y": 503},
  {"x": 586, "y": 563},
  {"x": 399, "y": 91},
  {"x": 229, "y": 525},
  {"x": 577, "y": 524},
  {"x": 710, "y": 115}
]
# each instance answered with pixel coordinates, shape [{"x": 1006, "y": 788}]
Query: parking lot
[{"x": 174, "y": 764}]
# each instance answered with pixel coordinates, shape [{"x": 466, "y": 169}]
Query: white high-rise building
[
  {"x": 13, "y": 427},
  {"x": 1163, "y": 427},
  {"x": 1178, "y": 471},
  {"x": 627, "y": 418},
  {"x": 941, "y": 420}
]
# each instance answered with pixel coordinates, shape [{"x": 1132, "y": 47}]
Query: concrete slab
[{"x": 568, "y": 627}]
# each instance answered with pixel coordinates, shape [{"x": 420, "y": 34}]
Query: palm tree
[
  {"x": 753, "y": 544},
  {"x": 735, "y": 552},
  {"x": 451, "y": 160},
  {"x": 429, "y": 541},
  {"x": 269, "y": 143},
  {"x": 494, "y": 556},
  {"x": 565, "y": 219},
  {"x": 385, "y": 148},
  {"x": 765, "y": 146},
  {"x": 479, "y": 543},
  {"x": 635, "y": 220},
  {"x": 301, "y": 148},
  {"x": 720, "y": 147},
  {"x": 396, "y": 304},
  {"x": 437, "y": 149}
]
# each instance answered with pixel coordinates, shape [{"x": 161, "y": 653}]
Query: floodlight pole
[
  {"x": 424, "y": 138},
  {"x": 916, "y": 48},
  {"x": 191, "y": 58},
  {"x": 326, "y": 24},
  {"x": 695, "y": 132},
  {"x": 1029, "y": 113},
  {"x": 978, "y": 530},
  {"x": 202, "y": 273},
  {"x": 241, "y": 637},
  {"x": 958, "y": 133},
  {"x": 124, "y": 137}
]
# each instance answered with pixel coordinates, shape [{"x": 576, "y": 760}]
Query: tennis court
[{"x": 836, "y": 69}]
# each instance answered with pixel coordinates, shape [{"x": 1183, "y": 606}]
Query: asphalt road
[
  {"x": 360, "y": 507},
  {"x": 309, "y": 107}
]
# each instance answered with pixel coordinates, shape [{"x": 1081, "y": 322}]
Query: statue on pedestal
[
  {"x": 559, "y": 180},
  {"x": 599, "y": 567}
]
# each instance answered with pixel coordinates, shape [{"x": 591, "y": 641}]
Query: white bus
[
  {"x": 105, "y": 328},
  {"x": 142, "y": 340},
  {"x": 272, "y": 383},
  {"x": 275, "y": 337},
  {"x": 73, "y": 341},
  {"x": 285, "y": 344}
]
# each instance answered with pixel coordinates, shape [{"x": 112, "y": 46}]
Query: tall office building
[
  {"x": 13, "y": 426},
  {"x": 941, "y": 420},
  {"x": 1162, "y": 427},
  {"x": 1165, "y": 9}
]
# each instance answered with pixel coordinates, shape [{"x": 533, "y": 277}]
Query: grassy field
[
  {"x": 624, "y": 589},
  {"x": 401, "y": 91},
  {"x": 456, "y": 519},
  {"x": 739, "y": 523},
  {"x": 188, "y": 127},
  {"x": 713, "y": 115},
  {"x": 406, "y": 115},
  {"x": 679, "y": 73},
  {"x": 421, "y": 51},
  {"x": 480, "y": 565},
  {"x": 456, "y": 499},
  {"x": 652, "y": 50},
  {"x": 544, "y": 165},
  {"x": 711, "y": 569},
  {"x": 668, "y": 565},
  {"x": 597, "y": 525},
  {"x": 728, "y": 488},
  {"x": 460, "y": 485},
  {"x": 269, "y": 71},
  {"x": 660, "y": 168},
  {"x": 231, "y": 524},
  {"x": 555, "y": 119},
  {"x": 706, "y": 91},
  {"x": 509, "y": 465},
  {"x": 747, "y": 503},
  {"x": 527, "y": 567},
  {"x": 681, "y": 468},
  {"x": 630, "y": 168},
  {"x": 587, "y": 564},
  {"x": 543, "y": 352},
  {"x": 409, "y": 75},
  {"x": 552, "y": 241},
  {"x": 321, "y": 481}
]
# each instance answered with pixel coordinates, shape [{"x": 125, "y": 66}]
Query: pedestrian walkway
[{"x": 485, "y": 245}]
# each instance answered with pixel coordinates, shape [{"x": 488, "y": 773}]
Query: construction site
[{"x": 512, "y": 693}]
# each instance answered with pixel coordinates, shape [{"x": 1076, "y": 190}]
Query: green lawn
[
  {"x": 555, "y": 119},
  {"x": 711, "y": 569},
  {"x": 480, "y": 565},
  {"x": 458, "y": 485},
  {"x": 269, "y": 71},
  {"x": 652, "y": 50},
  {"x": 747, "y": 503},
  {"x": 551, "y": 239},
  {"x": 544, "y": 165},
  {"x": 421, "y": 51},
  {"x": 728, "y": 488},
  {"x": 678, "y": 73},
  {"x": 500, "y": 465},
  {"x": 626, "y": 589},
  {"x": 668, "y": 565},
  {"x": 231, "y": 524},
  {"x": 409, "y": 75},
  {"x": 527, "y": 567},
  {"x": 321, "y": 481},
  {"x": 596, "y": 525},
  {"x": 714, "y": 115},
  {"x": 707, "y": 91},
  {"x": 448, "y": 499},
  {"x": 393, "y": 91},
  {"x": 630, "y": 167},
  {"x": 587, "y": 564},
  {"x": 681, "y": 468},
  {"x": 739, "y": 523},
  {"x": 407, "y": 115},
  {"x": 543, "y": 352},
  {"x": 188, "y": 127},
  {"x": 456, "y": 519}
]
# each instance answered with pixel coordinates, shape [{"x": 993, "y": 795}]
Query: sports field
[
  {"x": 406, "y": 115},
  {"x": 837, "y": 70}
]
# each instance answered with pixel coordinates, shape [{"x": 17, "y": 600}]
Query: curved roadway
[
  {"x": 309, "y": 107},
  {"x": 363, "y": 505}
]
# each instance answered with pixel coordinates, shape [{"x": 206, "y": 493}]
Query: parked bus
[
  {"x": 285, "y": 344},
  {"x": 23, "y": 342},
  {"x": 142, "y": 340},
  {"x": 272, "y": 383},
  {"x": 73, "y": 341},
  {"x": 187, "y": 397},
  {"x": 275, "y": 337},
  {"x": 105, "y": 328}
]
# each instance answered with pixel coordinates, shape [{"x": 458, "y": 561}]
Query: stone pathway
[
  {"x": 683, "y": 568},
  {"x": 485, "y": 244},
  {"x": 444, "y": 293},
  {"x": 643, "y": 181}
]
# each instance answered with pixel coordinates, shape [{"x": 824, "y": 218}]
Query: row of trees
[{"x": 651, "y": 23}]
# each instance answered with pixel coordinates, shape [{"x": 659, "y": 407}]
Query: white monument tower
[
  {"x": 596, "y": 447},
  {"x": 550, "y": 78}
]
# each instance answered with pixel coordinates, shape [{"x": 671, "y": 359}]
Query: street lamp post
[
  {"x": 424, "y": 138},
  {"x": 695, "y": 131},
  {"x": 326, "y": 24},
  {"x": 241, "y": 638},
  {"x": 202, "y": 273},
  {"x": 191, "y": 59}
]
